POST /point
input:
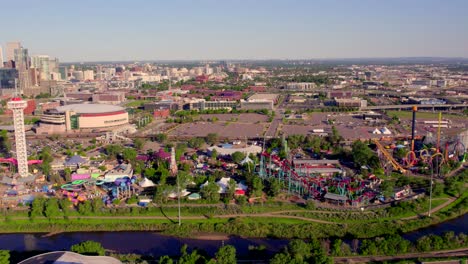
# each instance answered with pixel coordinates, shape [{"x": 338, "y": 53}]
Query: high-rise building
[
  {"x": 78, "y": 75},
  {"x": 1, "y": 57},
  {"x": 42, "y": 64},
  {"x": 54, "y": 65},
  {"x": 34, "y": 76},
  {"x": 88, "y": 75},
  {"x": 63, "y": 70},
  {"x": 22, "y": 65},
  {"x": 8, "y": 77},
  {"x": 10, "y": 50}
]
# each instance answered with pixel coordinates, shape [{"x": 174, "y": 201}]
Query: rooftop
[
  {"x": 264, "y": 96},
  {"x": 90, "y": 108},
  {"x": 69, "y": 257}
]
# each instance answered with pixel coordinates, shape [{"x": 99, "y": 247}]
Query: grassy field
[
  {"x": 136, "y": 103},
  {"x": 425, "y": 115}
]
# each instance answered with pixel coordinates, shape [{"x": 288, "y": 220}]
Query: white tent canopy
[
  {"x": 146, "y": 183},
  {"x": 183, "y": 193},
  {"x": 241, "y": 186},
  {"x": 246, "y": 160}
]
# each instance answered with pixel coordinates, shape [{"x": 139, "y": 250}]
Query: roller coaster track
[{"x": 389, "y": 157}]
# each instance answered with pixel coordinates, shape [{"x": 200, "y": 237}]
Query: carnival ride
[
  {"x": 299, "y": 181},
  {"x": 424, "y": 156},
  {"x": 14, "y": 162},
  {"x": 81, "y": 190}
]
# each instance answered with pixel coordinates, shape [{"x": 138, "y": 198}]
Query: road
[
  {"x": 272, "y": 129},
  {"x": 462, "y": 252},
  {"x": 409, "y": 106}
]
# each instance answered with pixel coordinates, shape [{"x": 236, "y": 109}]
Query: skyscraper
[
  {"x": 42, "y": 64},
  {"x": 22, "y": 65},
  {"x": 1, "y": 57},
  {"x": 10, "y": 50}
]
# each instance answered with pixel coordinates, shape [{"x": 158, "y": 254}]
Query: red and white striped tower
[{"x": 17, "y": 106}]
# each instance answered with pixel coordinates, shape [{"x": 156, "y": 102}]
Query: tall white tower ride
[
  {"x": 173, "y": 165},
  {"x": 17, "y": 105}
]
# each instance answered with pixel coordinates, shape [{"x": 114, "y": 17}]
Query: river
[{"x": 156, "y": 244}]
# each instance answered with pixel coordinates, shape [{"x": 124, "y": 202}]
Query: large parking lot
[{"x": 230, "y": 130}]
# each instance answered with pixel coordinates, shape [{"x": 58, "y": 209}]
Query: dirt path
[
  {"x": 175, "y": 218},
  {"x": 462, "y": 252},
  {"x": 435, "y": 209}
]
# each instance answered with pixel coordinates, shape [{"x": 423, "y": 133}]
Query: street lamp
[{"x": 178, "y": 197}]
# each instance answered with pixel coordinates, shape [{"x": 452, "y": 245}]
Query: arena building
[{"x": 83, "y": 118}]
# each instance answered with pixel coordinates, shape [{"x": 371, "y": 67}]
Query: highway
[{"x": 409, "y": 106}]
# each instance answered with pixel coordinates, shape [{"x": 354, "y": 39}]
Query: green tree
[
  {"x": 189, "y": 258},
  {"x": 85, "y": 208},
  {"x": 387, "y": 188},
  {"x": 65, "y": 206},
  {"x": 138, "y": 143},
  {"x": 4, "y": 256},
  {"x": 281, "y": 258},
  {"x": 5, "y": 144},
  {"x": 237, "y": 157},
  {"x": 319, "y": 256},
  {"x": 299, "y": 250},
  {"x": 161, "y": 137},
  {"x": 96, "y": 205},
  {"x": 129, "y": 154},
  {"x": 257, "y": 187},
  {"x": 150, "y": 173},
  {"x": 212, "y": 138},
  {"x": 214, "y": 154},
  {"x": 363, "y": 155},
  {"x": 274, "y": 187},
  {"x": 91, "y": 248},
  {"x": 226, "y": 255},
  {"x": 231, "y": 189},
  {"x": 368, "y": 247},
  {"x": 336, "y": 247},
  {"x": 180, "y": 149},
  {"x": 67, "y": 172},
  {"x": 37, "y": 207},
  {"x": 112, "y": 150},
  {"x": 210, "y": 192},
  {"x": 52, "y": 208},
  {"x": 165, "y": 260},
  {"x": 424, "y": 244}
]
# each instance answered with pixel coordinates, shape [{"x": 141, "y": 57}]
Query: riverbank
[
  {"x": 266, "y": 220},
  {"x": 157, "y": 244},
  {"x": 274, "y": 227}
]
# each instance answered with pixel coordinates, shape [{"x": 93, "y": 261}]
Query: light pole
[
  {"x": 178, "y": 197},
  {"x": 430, "y": 191}
]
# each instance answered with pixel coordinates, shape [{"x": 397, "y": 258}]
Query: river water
[{"x": 155, "y": 244}]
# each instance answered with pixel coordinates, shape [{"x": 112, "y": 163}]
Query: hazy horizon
[{"x": 181, "y": 30}]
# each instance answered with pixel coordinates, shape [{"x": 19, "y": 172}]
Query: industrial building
[
  {"x": 352, "y": 102},
  {"x": 256, "y": 104},
  {"x": 300, "y": 86},
  {"x": 163, "y": 104},
  {"x": 82, "y": 117},
  {"x": 202, "y": 104}
]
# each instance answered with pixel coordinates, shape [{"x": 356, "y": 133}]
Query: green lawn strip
[
  {"x": 425, "y": 115},
  {"x": 371, "y": 216}
]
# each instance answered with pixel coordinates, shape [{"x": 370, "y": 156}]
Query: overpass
[{"x": 420, "y": 106}]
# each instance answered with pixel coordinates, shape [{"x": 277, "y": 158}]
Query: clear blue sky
[{"x": 89, "y": 30}]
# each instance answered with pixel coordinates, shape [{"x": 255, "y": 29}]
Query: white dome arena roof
[{"x": 90, "y": 108}]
